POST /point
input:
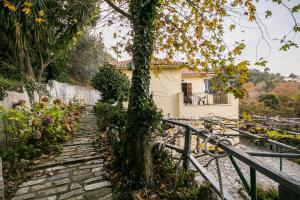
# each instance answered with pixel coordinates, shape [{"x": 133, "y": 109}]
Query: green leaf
[
  {"x": 288, "y": 45},
  {"x": 297, "y": 28},
  {"x": 296, "y": 8},
  {"x": 261, "y": 62},
  {"x": 268, "y": 13}
]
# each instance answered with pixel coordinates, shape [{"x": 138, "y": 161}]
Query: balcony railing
[{"x": 203, "y": 98}]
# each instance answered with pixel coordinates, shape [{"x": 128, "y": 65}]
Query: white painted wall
[
  {"x": 230, "y": 110},
  {"x": 66, "y": 92},
  {"x": 57, "y": 90}
]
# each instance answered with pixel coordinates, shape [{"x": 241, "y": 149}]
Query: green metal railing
[{"x": 288, "y": 186}]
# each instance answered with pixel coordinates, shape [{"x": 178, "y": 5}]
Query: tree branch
[{"x": 119, "y": 10}]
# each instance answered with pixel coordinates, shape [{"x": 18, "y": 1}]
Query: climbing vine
[
  {"x": 3, "y": 93},
  {"x": 142, "y": 112},
  {"x": 32, "y": 86},
  {"x": 194, "y": 29}
]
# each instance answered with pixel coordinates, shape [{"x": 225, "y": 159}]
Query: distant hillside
[{"x": 271, "y": 94}]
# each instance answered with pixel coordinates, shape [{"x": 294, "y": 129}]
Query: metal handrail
[{"x": 287, "y": 183}]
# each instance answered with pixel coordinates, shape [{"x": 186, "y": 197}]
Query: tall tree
[
  {"x": 195, "y": 29},
  {"x": 39, "y": 31},
  {"x": 85, "y": 58}
]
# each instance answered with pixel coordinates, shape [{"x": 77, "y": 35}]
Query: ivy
[
  {"x": 32, "y": 86},
  {"x": 3, "y": 93}
]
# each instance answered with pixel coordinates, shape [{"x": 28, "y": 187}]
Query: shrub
[
  {"x": 267, "y": 194},
  {"x": 37, "y": 130},
  {"x": 110, "y": 116},
  {"x": 269, "y": 100},
  {"x": 171, "y": 182},
  {"x": 113, "y": 84}
]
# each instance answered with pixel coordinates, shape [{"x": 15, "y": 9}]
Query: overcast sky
[{"x": 277, "y": 25}]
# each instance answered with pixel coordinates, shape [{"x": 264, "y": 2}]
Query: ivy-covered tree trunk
[{"x": 137, "y": 152}]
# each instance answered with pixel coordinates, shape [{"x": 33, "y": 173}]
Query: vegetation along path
[{"x": 75, "y": 173}]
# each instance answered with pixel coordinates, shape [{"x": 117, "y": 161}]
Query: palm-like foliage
[{"x": 37, "y": 32}]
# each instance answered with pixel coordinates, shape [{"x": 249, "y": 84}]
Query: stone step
[{"x": 74, "y": 173}]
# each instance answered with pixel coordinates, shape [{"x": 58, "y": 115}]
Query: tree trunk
[
  {"x": 137, "y": 168},
  {"x": 22, "y": 54},
  {"x": 19, "y": 53},
  {"x": 28, "y": 66}
]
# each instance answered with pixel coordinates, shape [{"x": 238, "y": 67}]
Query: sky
[{"x": 277, "y": 25}]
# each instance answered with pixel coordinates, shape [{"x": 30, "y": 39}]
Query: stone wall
[
  {"x": 63, "y": 91},
  {"x": 1, "y": 182},
  {"x": 14, "y": 97}
]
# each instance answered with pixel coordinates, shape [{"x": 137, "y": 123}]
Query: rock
[
  {"x": 93, "y": 179},
  {"x": 75, "y": 186},
  {"x": 23, "y": 190},
  {"x": 22, "y": 197},
  {"x": 33, "y": 182},
  {"x": 97, "y": 185},
  {"x": 107, "y": 197},
  {"x": 71, "y": 194},
  {"x": 78, "y": 172},
  {"x": 48, "y": 198},
  {"x": 53, "y": 191},
  {"x": 61, "y": 181}
]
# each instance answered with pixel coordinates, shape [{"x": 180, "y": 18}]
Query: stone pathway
[{"x": 75, "y": 173}]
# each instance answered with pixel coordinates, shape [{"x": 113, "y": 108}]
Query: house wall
[
  {"x": 166, "y": 89},
  {"x": 164, "y": 85},
  {"x": 230, "y": 110},
  {"x": 198, "y": 84}
]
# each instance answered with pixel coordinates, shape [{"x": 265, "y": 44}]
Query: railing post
[
  {"x": 242, "y": 177},
  {"x": 253, "y": 183},
  {"x": 187, "y": 148},
  {"x": 1, "y": 182},
  {"x": 286, "y": 194}
]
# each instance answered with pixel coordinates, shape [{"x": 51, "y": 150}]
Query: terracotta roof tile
[
  {"x": 156, "y": 61},
  {"x": 188, "y": 72}
]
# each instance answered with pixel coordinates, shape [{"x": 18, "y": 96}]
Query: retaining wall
[{"x": 57, "y": 90}]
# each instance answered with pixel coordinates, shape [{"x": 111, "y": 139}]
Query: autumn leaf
[
  {"x": 10, "y": 6},
  {"x": 39, "y": 20},
  {"x": 232, "y": 27},
  {"x": 26, "y": 10}
]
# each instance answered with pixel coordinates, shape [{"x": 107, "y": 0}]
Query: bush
[
  {"x": 37, "y": 130},
  {"x": 171, "y": 182},
  {"x": 113, "y": 84},
  {"x": 267, "y": 194},
  {"x": 110, "y": 116},
  {"x": 269, "y": 100}
]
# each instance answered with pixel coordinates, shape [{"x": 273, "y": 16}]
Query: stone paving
[{"x": 75, "y": 173}]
